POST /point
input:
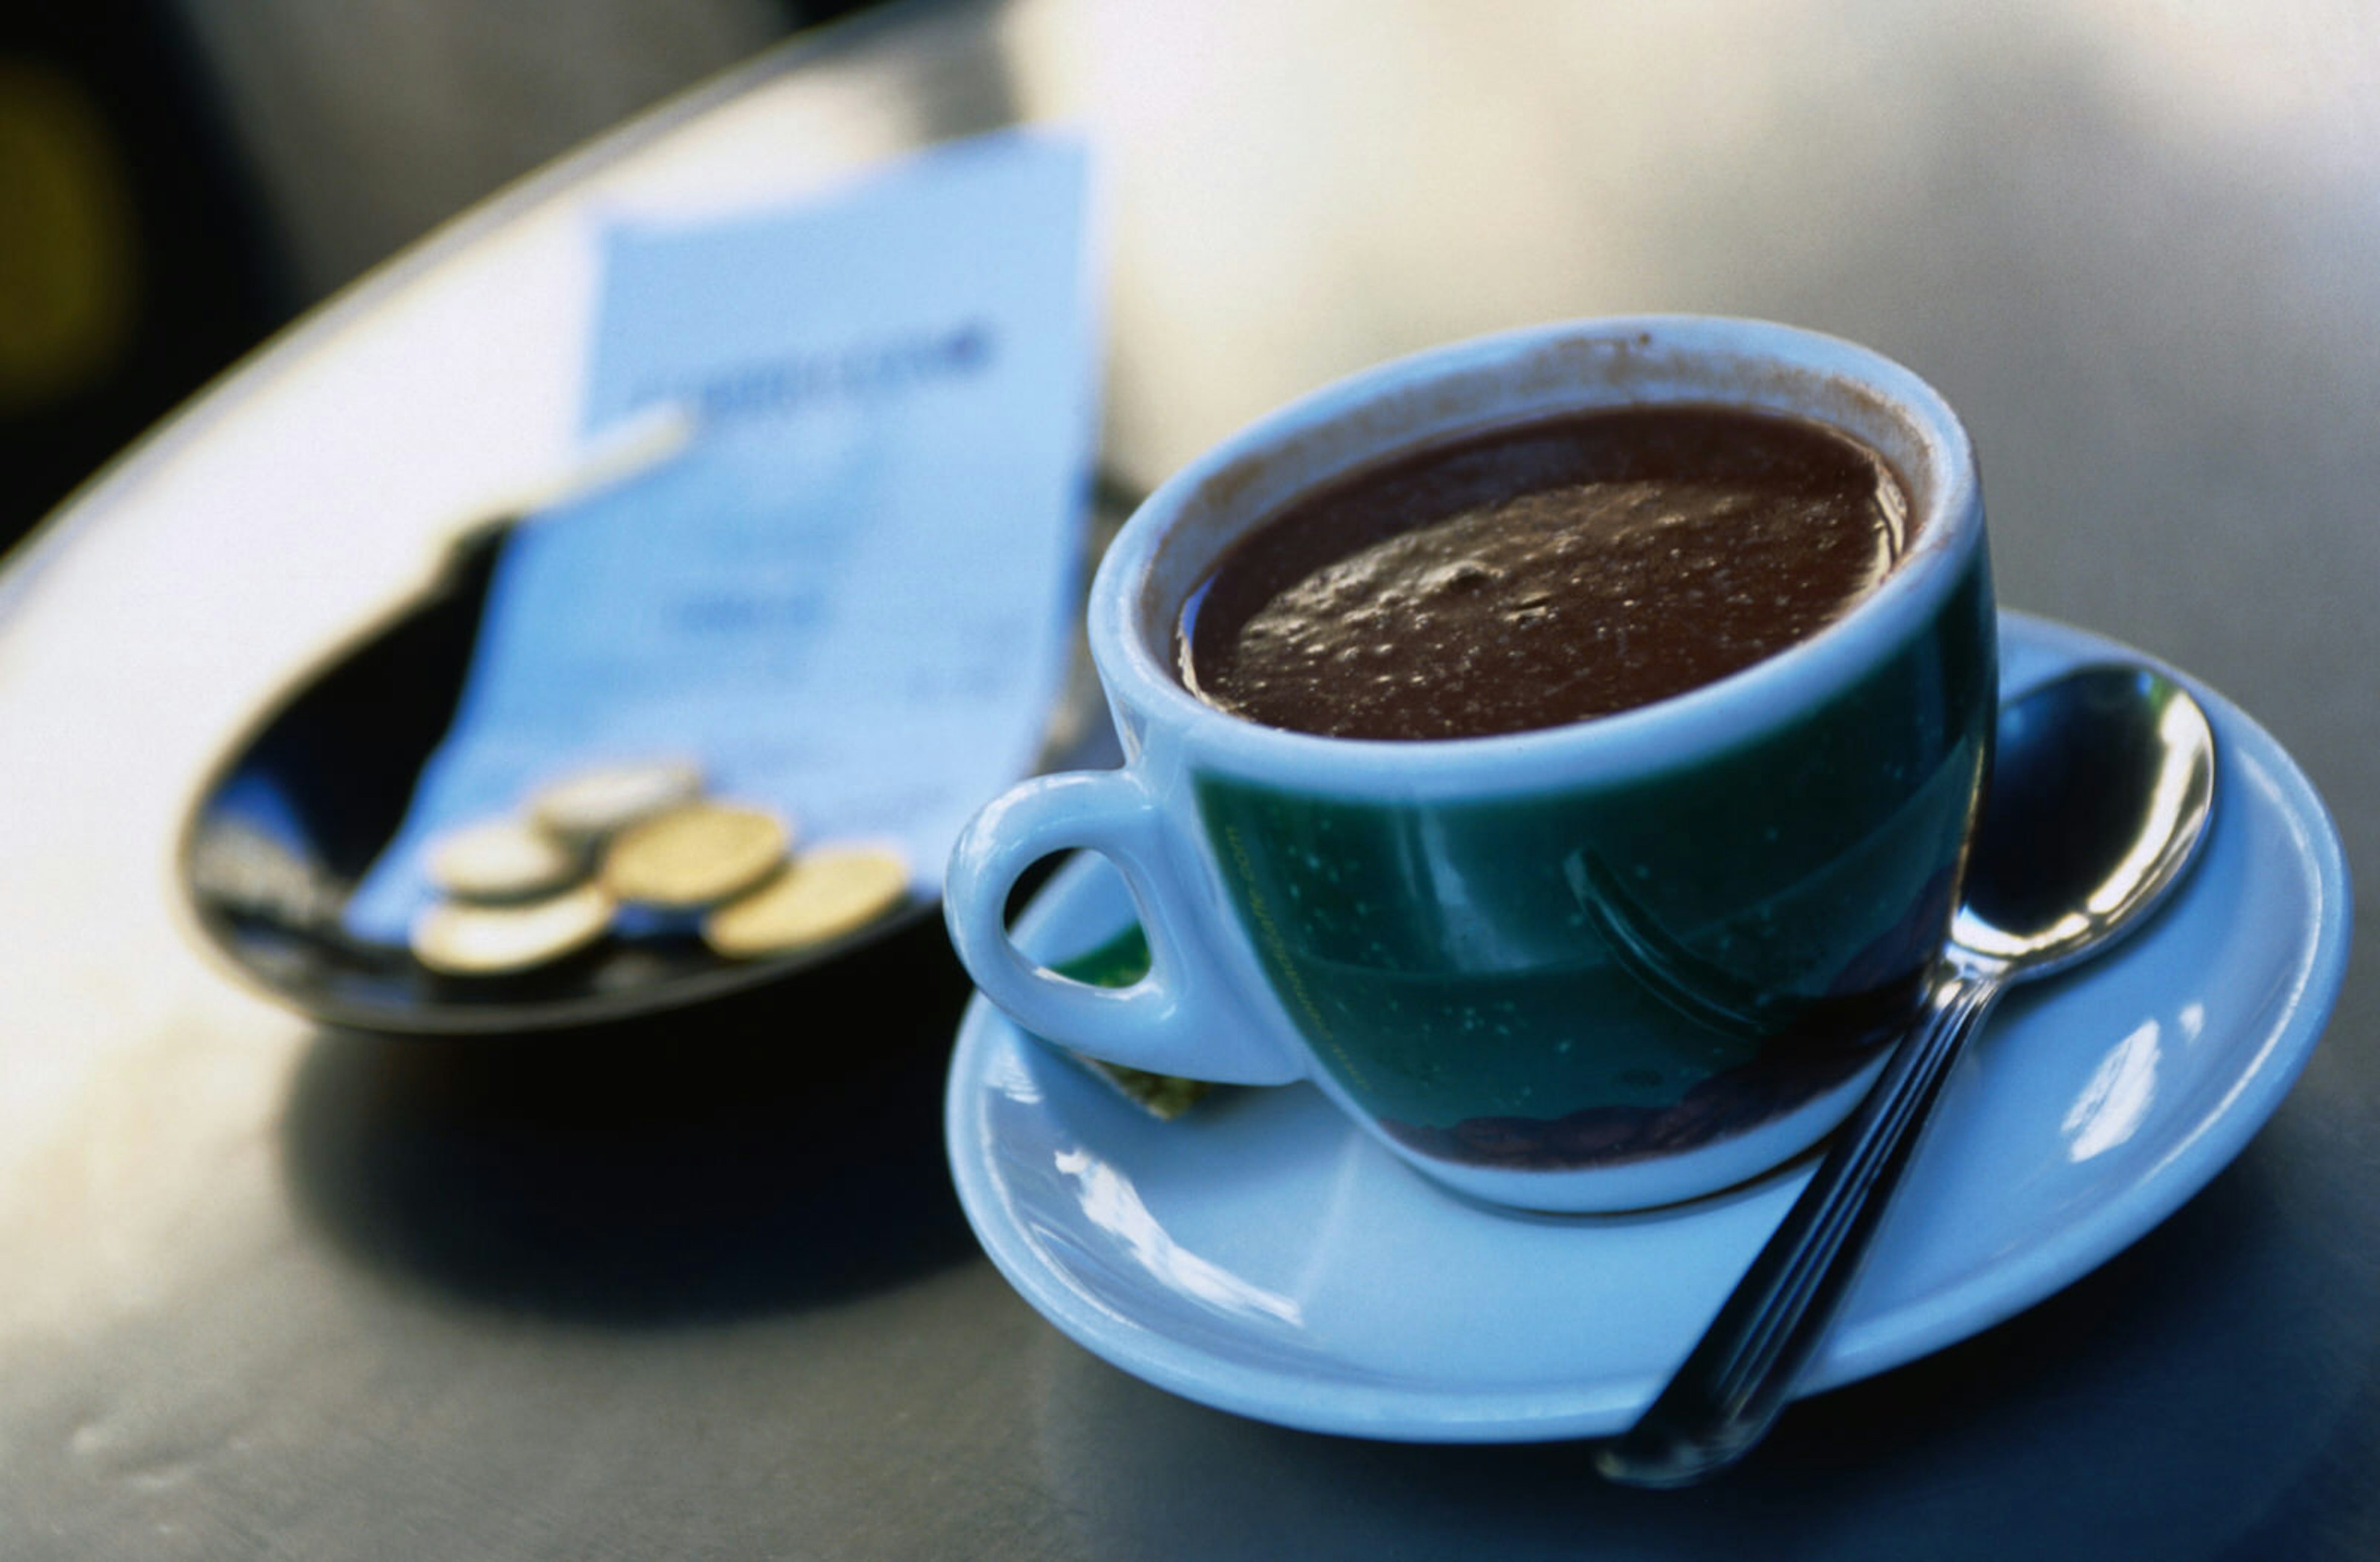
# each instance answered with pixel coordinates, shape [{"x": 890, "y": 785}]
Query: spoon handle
[{"x": 1735, "y": 1382}]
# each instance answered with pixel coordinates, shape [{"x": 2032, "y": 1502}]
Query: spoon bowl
[{"x": 2077, "y": 840}]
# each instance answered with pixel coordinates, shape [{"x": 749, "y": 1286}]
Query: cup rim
[{"x": 1724, "y": 713}]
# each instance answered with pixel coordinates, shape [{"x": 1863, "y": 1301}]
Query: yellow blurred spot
[{"x": 66, "y": 260}]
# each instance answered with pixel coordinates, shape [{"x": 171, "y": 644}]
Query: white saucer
[{"x": 1263, "y": 1256}]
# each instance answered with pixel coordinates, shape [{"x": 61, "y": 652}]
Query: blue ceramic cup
[{"x": 1598, "y": 966}]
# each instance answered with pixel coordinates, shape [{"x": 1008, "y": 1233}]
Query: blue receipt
[{"x": 851, "y": 598}]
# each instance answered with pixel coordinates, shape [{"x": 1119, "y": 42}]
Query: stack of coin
[
  {"x": 521, "y": 891},
  {"x": 641, "y": 846}
]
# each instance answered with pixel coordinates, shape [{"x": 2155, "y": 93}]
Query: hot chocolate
[{"x": 1542, "y": 574}]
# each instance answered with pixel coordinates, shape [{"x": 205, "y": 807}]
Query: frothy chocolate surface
[{"x": 1541, "y": 574}]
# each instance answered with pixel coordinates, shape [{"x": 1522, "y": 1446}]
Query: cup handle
[{"x": 1185, "y": 1016}]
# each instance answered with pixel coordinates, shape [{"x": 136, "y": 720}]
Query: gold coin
[
  {"x": 825, "y": 892},
  {"x": 466, "y": 940},
  {"x": 695, "y": 854},
  {"x": 502, "y": 860},
  {"x": 588, "y": 807}
]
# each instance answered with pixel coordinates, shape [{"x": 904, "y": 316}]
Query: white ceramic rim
[{"x": 1414, "y": 400}]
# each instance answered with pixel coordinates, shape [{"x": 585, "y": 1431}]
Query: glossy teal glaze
[{"x": 1553, "y": 978}]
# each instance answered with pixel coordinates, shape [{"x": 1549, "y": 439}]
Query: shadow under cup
[{"x": 1597, "y": 967}]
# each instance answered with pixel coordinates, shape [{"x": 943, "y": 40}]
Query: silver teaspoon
[{"x": 2101, "y": 790}]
